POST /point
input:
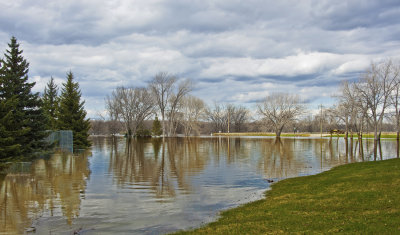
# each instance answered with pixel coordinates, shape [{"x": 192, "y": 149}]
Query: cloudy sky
[{"x": 235, "y": 51}]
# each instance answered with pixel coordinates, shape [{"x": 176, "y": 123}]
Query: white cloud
[
  {"x": 352, "y": 66},
  {"x": 290, "y": 66},
  {"x": 235, "y": 51}
]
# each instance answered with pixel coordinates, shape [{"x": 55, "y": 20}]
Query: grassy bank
[
  {"x": 355, "y": 198},
  {"x": 384, "y": 135},
  {"x": 369, "y": 135},
  {"x": 262, "y": 134}
]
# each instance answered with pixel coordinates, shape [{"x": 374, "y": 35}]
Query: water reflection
[
  {"x": 49, "y": 187},
  {"x": 164, "y": 166},
  {"x": 155, "y": 186}
]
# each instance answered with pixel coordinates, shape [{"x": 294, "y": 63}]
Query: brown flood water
[{"x": 152, "y": 187}]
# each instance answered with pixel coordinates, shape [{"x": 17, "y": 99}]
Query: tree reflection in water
[
  {"x": 192, "y": 178},
  {"x": 53, "y": 187},
  {"x": 164, "y": 166}
]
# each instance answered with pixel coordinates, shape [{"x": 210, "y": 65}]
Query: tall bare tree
[
  {"x": 193, "y": 109},
  {"x": 217, "y": 117},
  {"x": 375, "y": 88},
  {"x": 133, "y": 106},
  {"x": 168, "y": 96},
  {"x": 227, "y": 117},
  {"x": 112, "y": 110},
  {"x": 396, "y": 115},
  {"x": 175, "y": 104},
  {"x": 280, "y": 109},
  {"x": 349, "y": 110},
  {"x": 341, "y": 114},
  {"x": 161, "y": 87},
  {"x": 238, "y": 116},
  {"x": 395, "y": 98}
]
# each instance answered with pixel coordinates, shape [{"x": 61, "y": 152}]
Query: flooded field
[{"x": 147, "y": 186}]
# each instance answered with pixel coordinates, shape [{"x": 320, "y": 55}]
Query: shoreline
[
  {"x": 385, "y": 135},
  {"x": 347, "y": 198}
]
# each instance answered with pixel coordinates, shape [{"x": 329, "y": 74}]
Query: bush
[{"x": 143, "y": 133}]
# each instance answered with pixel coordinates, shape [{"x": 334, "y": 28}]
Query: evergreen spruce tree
[
  {"x": 71, "y": 113},
  {"x": 157, "y": 129},
  {"x": 50, "y": 104},
  {"x": 10, "y": 149},
  {"x": 27, "y": 123}
]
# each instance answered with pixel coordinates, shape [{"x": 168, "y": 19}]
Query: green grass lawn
[{"x": 361, "y": 198}]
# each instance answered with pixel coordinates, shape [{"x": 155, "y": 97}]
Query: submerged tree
[
  {"x": 113, "y": 115},
  {"x": 193, "y": 109},
  {"x": 237, "y": 117},
  {"x": 50, "y": 104},
  {"x": 175, "y": 105},
  {"x": 375, "y": 89},
  {"x": 133, "y": 106},
  {"x": 229, "y": 117},
  {"x": 216, "y": 116},
  {"x": 168, "y": 95},
  {"x": 279, "y": 110},
  {"x": 395, "y": 98},
  {"x": 26, "y": 125},
  {"x": 161, "y": 86},
  {"x": 71, "y": 113},
  {"x": 157, "y": 129}
]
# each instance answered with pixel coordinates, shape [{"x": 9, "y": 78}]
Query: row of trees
[
  {"x": 365, "y": 104},
  {"x": 25, "y": 117},
  {"x": 170, "y": 98},
  {"x": 361, "y": 106},
  {"x": 66, "y": 111},
  {"x": 132, "y": 106},
  {"x": 368, "y": 104}
]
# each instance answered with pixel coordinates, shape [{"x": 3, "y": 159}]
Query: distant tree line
[
  {"x": 370, "y": 104},
  {"x": 169, "y": 98},
  {"x": 26, "y": 117}
]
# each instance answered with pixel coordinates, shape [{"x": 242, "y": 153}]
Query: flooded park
[{"x": 151, "y": 186}]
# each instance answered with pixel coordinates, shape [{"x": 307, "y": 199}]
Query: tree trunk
[
  {"x": 376, "y": 138},
  {"x": 375, "y": 149},
  {"x": 278, "y": 133},
  {"x": 129, "y": 133},
  {"x": 361, "y": 149},
  {"x": 347, "y": 149},
  {"x": 163, "y": 124},
  {"x": 351, "y": 149},
  {"x": 397, "y": 123}
]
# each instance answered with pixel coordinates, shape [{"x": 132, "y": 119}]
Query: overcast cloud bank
[{"x": 235, "y": 51}]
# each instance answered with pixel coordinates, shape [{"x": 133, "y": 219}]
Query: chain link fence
[{"x": 62, "y": 140}]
